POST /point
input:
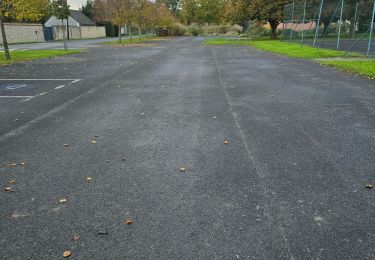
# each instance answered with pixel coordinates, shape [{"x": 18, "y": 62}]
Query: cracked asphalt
[{"x": 289, "y": 185}]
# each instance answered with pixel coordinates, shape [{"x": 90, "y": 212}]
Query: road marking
[
  {"x": 75, "y": 80},
  {"x": 41, "y": 94},
  {"x": 60, "y": 87},
  {"x": 16, "y": 96}
]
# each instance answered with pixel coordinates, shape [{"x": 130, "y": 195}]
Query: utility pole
[
  {"x": 3, "y": 7},
  {"x": 371, "y": 31},
  {"x": 340, "y": 25}
]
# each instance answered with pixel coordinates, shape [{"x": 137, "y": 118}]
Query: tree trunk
[
  {"x": 119, "y": 33},
  {"x": 273, "y": 23},
  {"x": 3, "y": 35},
  {"x": 64, "y": 35},
  {"x": 139, "y": 33},
  {"x": 130, "y": 34}
]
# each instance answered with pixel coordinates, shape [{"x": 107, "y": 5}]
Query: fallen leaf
[
  {"x": 128, "y": 221},
  {"x": 63, "y": 200},
  {"x": 9, "y": 189},
  {"x": 66, "y": 145},
  {"x": 13, "y": 164},
  {"x": 12, "y": 182},
  {"x": 76, "y": 237},
  {"x": 67, "y": 253},
  {"x": 23, "y": 163},
  {"x": 89, "y": 179},
  {"x": 183, "y": 169},
  {"x": 93, "y": 142},
  {"x": 369, "y": 186},
  {"x": 226, "y": 141},
  {"x": 123, "y": 159}
]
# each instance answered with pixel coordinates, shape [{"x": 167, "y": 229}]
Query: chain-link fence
[{"x": 346, "y": 25}]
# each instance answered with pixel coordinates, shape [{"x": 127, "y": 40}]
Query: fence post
[
  {"x": 318, "y": 23},
  {"x": 371, "y": 30},
  {"x": 341, "y": 22},
  {"x": 303, "y": 23},
  {"x": 355, "y": 19},
  {"x": 291, "y": 31}
]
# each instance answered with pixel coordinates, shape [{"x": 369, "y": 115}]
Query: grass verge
[
  {"x": 361, "y": 67},
  {"x": 19, "y": 56},
  {"x": 134, "y": 40},
  {"x": 288, "y": 49}
]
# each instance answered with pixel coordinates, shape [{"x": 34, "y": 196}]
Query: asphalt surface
[{"x": 289, "y": 185}]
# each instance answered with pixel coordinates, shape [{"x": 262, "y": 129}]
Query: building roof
[{"x": 82, "y": 19}]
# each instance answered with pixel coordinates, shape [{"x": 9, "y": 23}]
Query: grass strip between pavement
[
  {"x": 27, "y": 55},
  {"x": 360, "y": 67},
  {"x": 134, "y": 40}
]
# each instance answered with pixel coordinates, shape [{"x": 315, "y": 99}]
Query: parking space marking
[
  {"x": 60, "y": 87},
  {"x": 16, "y": 96},
  {"x": 41, "y": 94}
]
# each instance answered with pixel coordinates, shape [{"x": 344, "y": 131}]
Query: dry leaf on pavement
[
  {"x": 129, "y": 221},
  {"x": 63, "y": 200},
  {"x": 226, "y": 141},
  {"x": 12, "y": 182},
  {"x": 67, "y": 253},
  {"x": 183, "y": 169},
  {"x": 369, "y": 186}
]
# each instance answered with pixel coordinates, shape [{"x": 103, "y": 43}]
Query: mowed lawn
[
  {"x": 19, "y": 56},
  {"x": 361, "y": 67}
]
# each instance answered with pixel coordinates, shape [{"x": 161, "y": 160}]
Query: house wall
[
  {"x": 88, "y": 32},
  {"x": 21, "y": 33},
  {"x": 58, "y": 32}
]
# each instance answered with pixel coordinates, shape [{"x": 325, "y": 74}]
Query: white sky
[{"x": 76, "y": 4}]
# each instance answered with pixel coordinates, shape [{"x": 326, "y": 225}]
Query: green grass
[
  {"x": 288, "y": 49},
  {"x": 360, "y": 67},
  {"x": 135, "y": 40},
  {"x": 19, "y": 56}
]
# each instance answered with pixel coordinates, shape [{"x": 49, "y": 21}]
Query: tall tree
[
  {"x": 5, "y": 7},
  {"x": 118, "y": 12},
  {"x": 29, "y": 10},
  {"x": 87, "y": 8},
  {"x": 268, "y": 11},
  {"x": 60, "y": 9},
  {"x": 189, "y": 11}
]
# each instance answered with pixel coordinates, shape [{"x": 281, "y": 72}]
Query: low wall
[
  {"x": 88, "y": 32},
  {"x": 58, "y": 32},
  {"x": 22, "y": 33},
  {"x": 83, "y": 32}
]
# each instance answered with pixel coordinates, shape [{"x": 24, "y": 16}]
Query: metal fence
[{"x": 346, "y": 25}]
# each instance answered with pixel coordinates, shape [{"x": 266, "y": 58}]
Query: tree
[
  {"x": 118, "y": 12},
  {"x": 29, "y": 10},
  {"x": 60, "y": 9},
  {"x": 236, "y": 12},
  {"x": 209, "y": 11},
  {"x": 189, "y": 11},
  {"x": 87, "y": 9},
  {"x": 268, "y": 11},
  {"x": 5, "y": 7}
]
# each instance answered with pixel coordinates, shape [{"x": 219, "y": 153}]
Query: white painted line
[
  {"x": 16, "y": 96},
  {"x": 60, "y": 87},
  {"x": 75, "y": 81},
  {"x": 41, "y": 94},
  {"x": 41, "y": 80}
]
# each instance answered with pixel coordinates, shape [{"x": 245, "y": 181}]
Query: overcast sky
[{"x": 76, "y": 4}]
